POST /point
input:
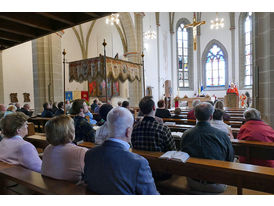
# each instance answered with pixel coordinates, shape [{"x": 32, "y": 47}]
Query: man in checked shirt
[{"x": 149, "y": 135}]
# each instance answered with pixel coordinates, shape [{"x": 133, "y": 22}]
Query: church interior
[{"x": 178, "y": 57}]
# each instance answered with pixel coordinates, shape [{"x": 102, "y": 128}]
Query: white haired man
[{"x": 111, "y": 168}]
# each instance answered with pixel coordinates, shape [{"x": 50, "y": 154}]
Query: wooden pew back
[
  {"x": 231, "y": 173},
  {"x": 38, "y": 183}
]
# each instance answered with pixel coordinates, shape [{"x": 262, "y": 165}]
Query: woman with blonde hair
[
  {"x": 62, "y": 159},
  {"x": 13, "y": 148}
]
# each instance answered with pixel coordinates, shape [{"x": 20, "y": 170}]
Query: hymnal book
[
  {"x": 170, "y": 123},
  {"x": 175, "y": 155}
]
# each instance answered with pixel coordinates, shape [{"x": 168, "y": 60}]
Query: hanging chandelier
[
  {"x": 150, "y": 34},
  {"x": 113, "y": 18},
  {"x": 217, "y": 23}
]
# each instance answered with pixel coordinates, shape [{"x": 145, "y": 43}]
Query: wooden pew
[
  {"x": 232, "y": 118},
  {"x": 38, "y": 183},
  {"x": 40, "y": 122},
  {"x": 242, "y": 148},
  {"x": 235, "y": 124},
  {"x": 253, "y": 149},
  {"x": 38, "y": 140},
  {"x": 230, "y": 173},
  {"x": 184, "y": 127}
]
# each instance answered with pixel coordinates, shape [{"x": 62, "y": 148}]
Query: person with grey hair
[
  {"x": 110, "y": 168},
  {"x": 254, "y": 129},
  {"x": 190, "y": 114},
  {"x": 207, "y": 142}
]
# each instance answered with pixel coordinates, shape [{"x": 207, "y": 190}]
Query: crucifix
[{"x": 194, "y": 25}]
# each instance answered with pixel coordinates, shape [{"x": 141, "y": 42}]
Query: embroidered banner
[
  {"x": 84, "y": 95},
  {"x": 69, "y": 96},
  {"x": 76, "y": 95},
  {"x": 93, "y": 69}
]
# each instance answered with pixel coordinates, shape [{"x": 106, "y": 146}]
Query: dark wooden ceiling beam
[
  {"x": 11, "y": 27},
  {"x": 28, "y": 19},
  {"x": 93, "y": 14},
  {"x": 13, "y": 37},
  {"x": 6, "y": 43},
  {"x": 57, "y": 17}
]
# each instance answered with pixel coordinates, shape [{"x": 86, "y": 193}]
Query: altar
[{"x": 189, "y": 100}]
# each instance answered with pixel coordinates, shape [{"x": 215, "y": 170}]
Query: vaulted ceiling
[{"x": 20, "y": 27}]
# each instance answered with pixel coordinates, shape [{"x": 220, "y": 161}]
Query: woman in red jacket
[{"x": 255, "y": 129}]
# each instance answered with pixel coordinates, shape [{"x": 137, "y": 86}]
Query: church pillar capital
[{"x": 142, "y": 14}]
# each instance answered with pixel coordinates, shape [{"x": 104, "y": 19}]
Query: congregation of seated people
[{"x": 110, "y": 167}]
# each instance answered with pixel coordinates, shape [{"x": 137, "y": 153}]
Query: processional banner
[
  {"x": 93, "y": 69},
  {"x": 69, "y": 95}
]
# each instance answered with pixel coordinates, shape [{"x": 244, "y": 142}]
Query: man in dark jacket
[
  {"x": 207, "y": 142},
  {"x": 83, "y": 130},
  {"x": 47, "y": 110}
]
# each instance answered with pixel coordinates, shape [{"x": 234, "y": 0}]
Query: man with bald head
[
  {"x": 110, "y": 168},
  {"x": 207, "y": 142}
]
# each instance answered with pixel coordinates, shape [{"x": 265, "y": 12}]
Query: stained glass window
[
  {"x": 215, "y": 67},
  {"x": 248, "y": 50},
  {"x": 183, "y": 56}
]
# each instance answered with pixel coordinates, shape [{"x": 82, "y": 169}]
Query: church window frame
[
  {"x": 246, "y": 50},
  {"x": 222, "y": 56},
  {"x": 184, "y": 56}
]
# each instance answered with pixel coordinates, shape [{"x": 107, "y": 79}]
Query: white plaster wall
[
  {"x": 165, "y": 53},
  {"x": 18, "y": 72},
  {"x": 150, "y": 58}
]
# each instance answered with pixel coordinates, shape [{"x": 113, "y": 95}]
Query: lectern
[{"x": 231, "y": 100}]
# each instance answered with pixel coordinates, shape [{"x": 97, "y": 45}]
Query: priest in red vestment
[{"x": 233, "y": 89}]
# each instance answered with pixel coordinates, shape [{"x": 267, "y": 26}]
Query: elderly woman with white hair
[
  {"x": 111, "y": 168},
  {"x": 255, "y": 129}
]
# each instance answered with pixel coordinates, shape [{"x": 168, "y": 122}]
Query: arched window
[
  {"x": 246, "y": 49},
  {"x": 184, "y": 55},
  {"x": 215, "y": 66}
]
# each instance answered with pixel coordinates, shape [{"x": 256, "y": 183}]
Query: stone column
[
  {"x": 1, "y": 80},
  {"x": 134, "y": 88},
  {"x": 263, "y": 89},
  {"x": 232, "y": 29},
  {"x": 47, "y": 70},
  {"x": 173, "y": 82},
  {"x": 157, "y": 16}
]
